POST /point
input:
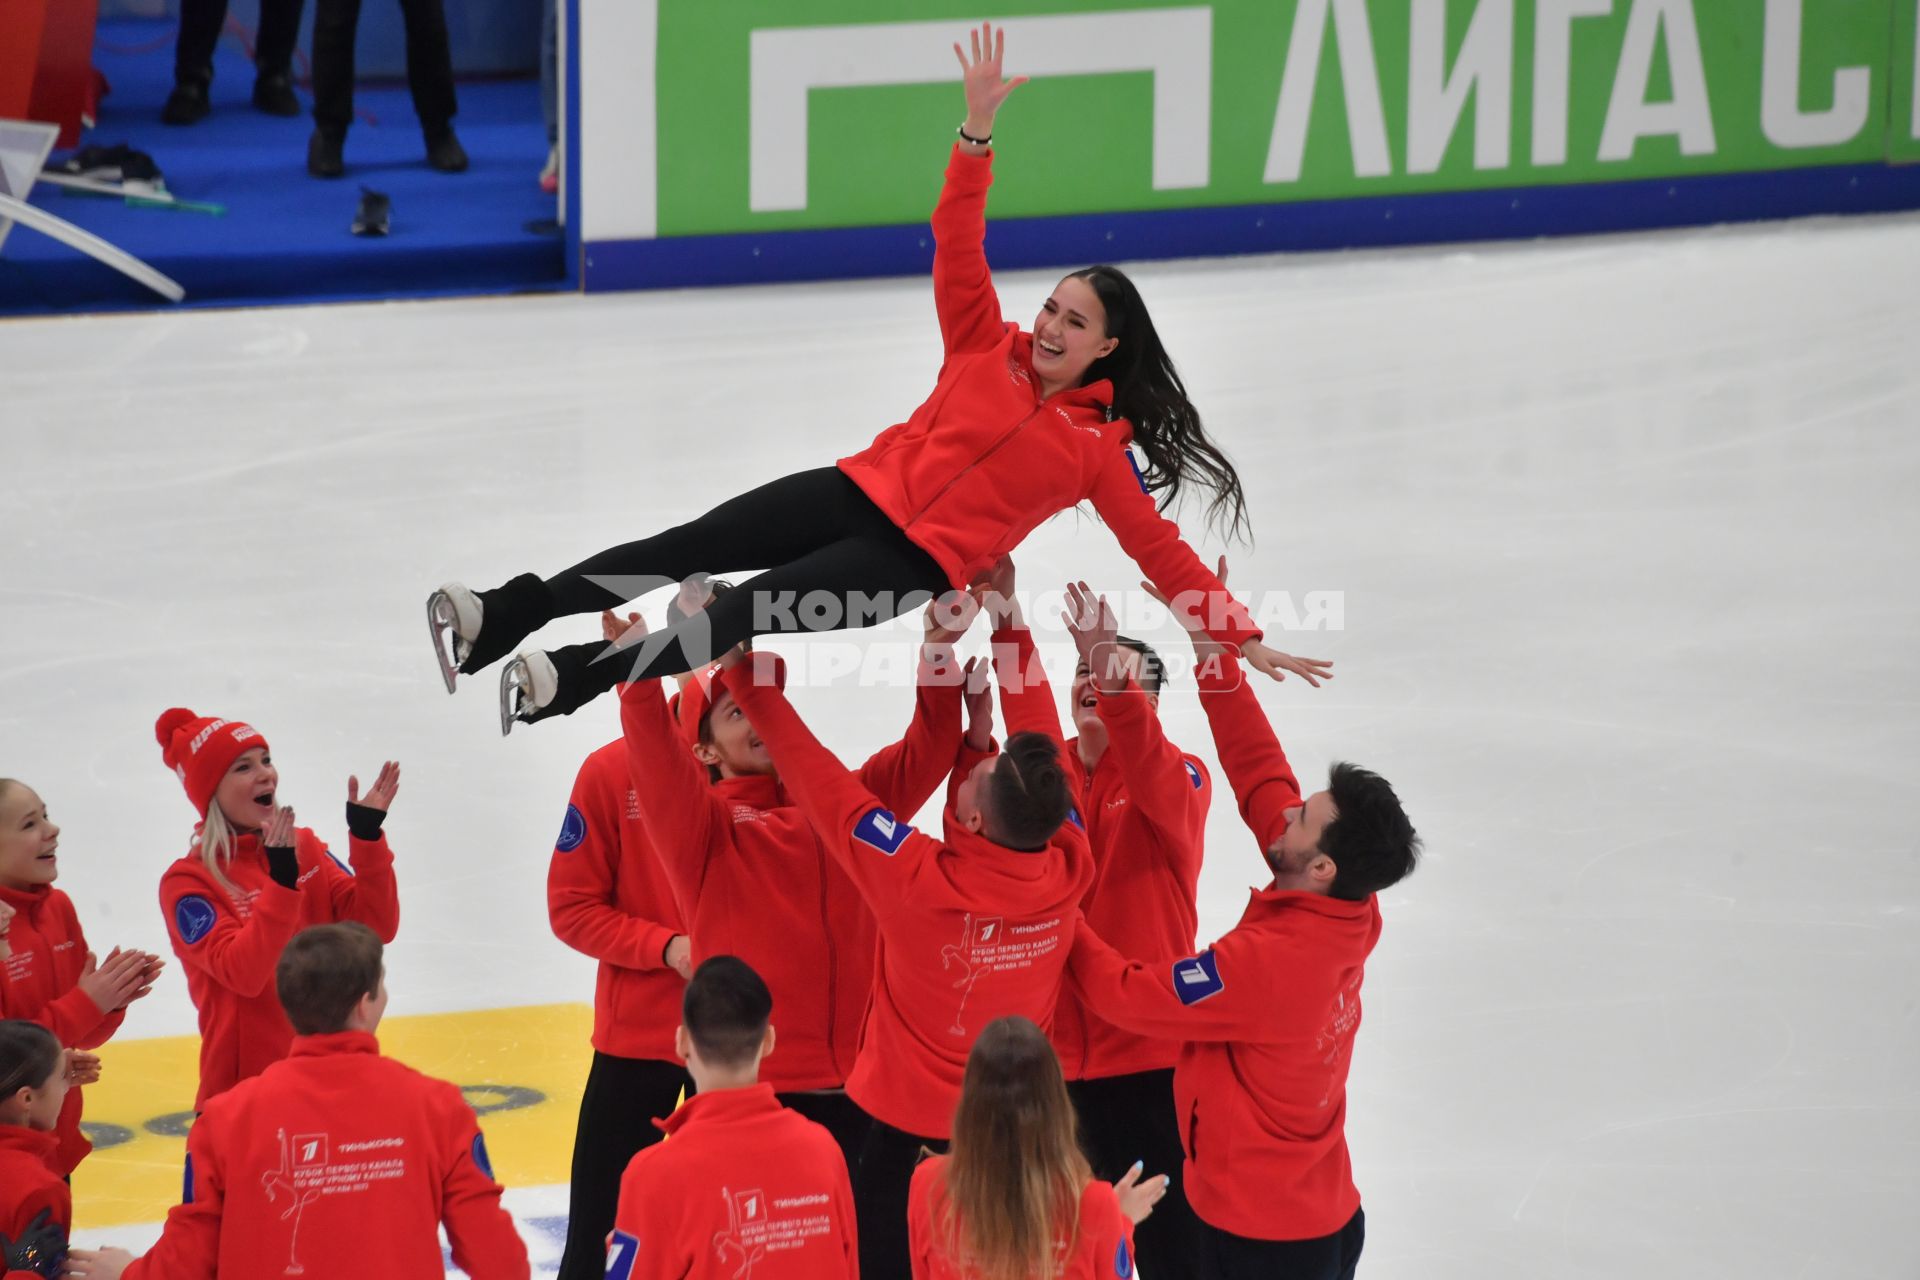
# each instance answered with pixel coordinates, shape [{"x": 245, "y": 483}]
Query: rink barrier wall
[
  {"x": 770, "y": 140},
  {"x": 1380, "y": 222}
]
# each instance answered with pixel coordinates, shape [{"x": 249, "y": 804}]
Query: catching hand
[
  {"x": 83, "y": 1068},
  {"x": 613, "y": 630},
  {"x": 979, "y": 697}
]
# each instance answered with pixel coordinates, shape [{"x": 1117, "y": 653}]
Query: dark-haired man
[
  {"x": 751, "y": 877},
  {"x": 747, "y": 1186},
  {"x": 974, "y": 926},
  {"x": 335, "y": 1160},
  {"x": 1268, "y": 1013}
]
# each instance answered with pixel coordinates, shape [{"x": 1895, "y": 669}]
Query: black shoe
[
  {"x": 323, "y": 154},
  {"x": 508, "y": 615},
  {"x": 273, "y": 94},
  {"x": 187, "y": 104},
  {"x": 445, "y": 153}
]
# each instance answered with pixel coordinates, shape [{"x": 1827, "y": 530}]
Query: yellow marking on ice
[{"x": 538, "y": 1047}]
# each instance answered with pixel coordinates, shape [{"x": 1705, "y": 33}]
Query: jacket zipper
[
  {"x": 961, "y": 474},
  {"x": 833, "y": 967}
]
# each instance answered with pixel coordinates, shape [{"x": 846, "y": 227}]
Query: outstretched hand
[
  {"x": 1262, "y": 657},
  {"x": 384, "y": 788},
  {"x": 978, "y": 691},
  {"x": 949, "y": 617},
  {"x": 1096, "y": 634},
  {"x": 1138, "y": 1197},
  {"x": 981, "y": 77}
]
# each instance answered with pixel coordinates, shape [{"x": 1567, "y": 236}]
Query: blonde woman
[
  {"x": 1015, "y": 1199},
  {"x": 251, "y": 881}
]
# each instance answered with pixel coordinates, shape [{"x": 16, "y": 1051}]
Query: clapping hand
[{"x": 381, "y": 795}]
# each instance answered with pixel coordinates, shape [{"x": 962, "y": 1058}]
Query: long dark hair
[
  {"x": 1148, "y": 393},
  {"x": 1016, "y": 1173}
]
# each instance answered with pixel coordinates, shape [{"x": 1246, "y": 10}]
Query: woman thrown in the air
[{"x": 1020, "y": 426}]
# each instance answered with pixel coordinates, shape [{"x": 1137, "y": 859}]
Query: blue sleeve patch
[
  {"x": 1197, "y": 978},
  {"x": 480, "y": 1154},
  {"x": 1073, "y": 816},
  {"x": 193, "y": 918},
  {"x": 882, "y": 831},
  {"x": 573, "y": 830},
  {"x": 336, "y": 862},
  {"x": 1138, "y": 475},
  {"x": 622, "y": 1249},
  {"x": 1123, "y": 1262},
  {"x": 186, "y": 1182},
  {"x": 1193, "y": 772}
]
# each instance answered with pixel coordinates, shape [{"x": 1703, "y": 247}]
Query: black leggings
[
  {"x": 1132, "y": 1117},
  {"x": 624, "y": 1096},
  {"x": 832, "y": 559},
  {"x": 880, "y": 1195}
]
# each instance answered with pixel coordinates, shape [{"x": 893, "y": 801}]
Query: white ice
[{"x": 1619, "y": 526}]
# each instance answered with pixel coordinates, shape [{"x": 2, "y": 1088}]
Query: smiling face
[
  {"x": 28, "y": 839},
  {"x": 1086, "y": 702},
  {"x": 245, "y": 795},
  {"x": 1069, "y": 334},
  {"x": 730, "y": 742}
]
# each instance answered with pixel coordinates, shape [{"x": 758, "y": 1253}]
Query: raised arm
[
  {"x": 963, "y": 292},
  {"x": 369, "y": 894},
  {"x": 582, "y": 897},
  {"x": 903, "y": 774},
  {"x": 879, "y": 851},
  {"x": 1257, "y": 769},
  {"x": 1169, "y": 788},
  {"x": 683, "y": 817}
]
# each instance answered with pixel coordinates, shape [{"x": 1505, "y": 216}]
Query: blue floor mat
[{"x": 284, "y": 236}]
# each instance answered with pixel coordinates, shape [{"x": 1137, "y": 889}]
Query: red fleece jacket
[
  {"x": 1268, "y": 1014},
  {"x": 39, "y": 983},
  {"x": 29, "y": 1187},
  {"x": 753, "y": 880},
  {"x": 1145, "y": 804},
  {"x": 744, "y": 1187},
  {"x": 229, "y": 943},
  {"x": 985, "y": 460},
  {"x": 344, "y": 1163},
  {"x": 608, "y": 897},
  {"x": 970, "y": 930},
  {"x": 1100, "y": 1248}
]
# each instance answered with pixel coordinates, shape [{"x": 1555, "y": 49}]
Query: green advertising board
[{"x": 776, "y": 114}]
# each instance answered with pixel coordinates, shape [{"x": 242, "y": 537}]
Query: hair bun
[{"x": 171, "y": 721}]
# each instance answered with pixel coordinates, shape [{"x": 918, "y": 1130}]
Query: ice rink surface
[{"x": 1620, "y": 528}]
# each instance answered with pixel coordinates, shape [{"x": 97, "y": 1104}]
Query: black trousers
[
  {"x": 1225, "y": 1256},
  {"x": 820, "y": 541},
  {"x": 1128, "y": 1118},
  {"x": 624, "y": 1096},
  {"x": 201, "y": 22},
  {"x": 429, "y": 62},
  {"x": 880, "y": 1199},
  {"x": 840, "y": 1115}
]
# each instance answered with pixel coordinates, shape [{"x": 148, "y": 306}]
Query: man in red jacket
[
  {"x": 1268, "y": 1013},
  {"x": 335, "y": 1160},
  {"x": 747, "y": 1187},
  {"x": 1146, "y": 804},
  {"x": 608, "y": 897},
  {"x": 752, "y": 879},
  {"x": 973, "y": 927}
]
